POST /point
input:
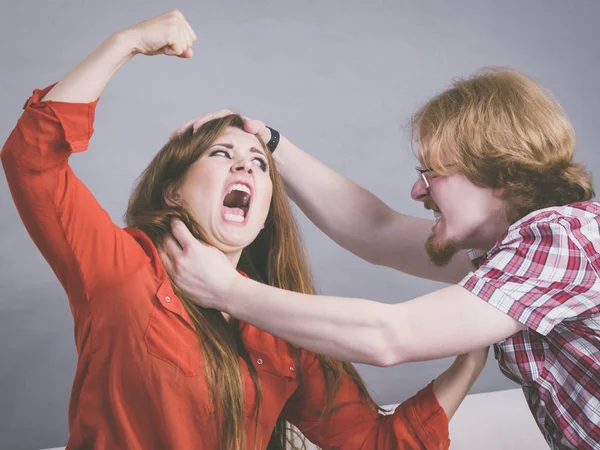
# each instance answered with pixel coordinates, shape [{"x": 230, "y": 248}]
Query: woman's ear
[
  {"x": 498, "y": 192},
  {"x": 171, "y": 197}
]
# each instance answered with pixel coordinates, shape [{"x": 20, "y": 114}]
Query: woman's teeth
[
  {"x": 437, "y": 216},
  {"x": 234, "y": 217},
  {"x": 236, "y": 203},
  {"x": 239, "y": 187}
]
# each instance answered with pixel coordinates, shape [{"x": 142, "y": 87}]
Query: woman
[{"x": 154, "y": 370}]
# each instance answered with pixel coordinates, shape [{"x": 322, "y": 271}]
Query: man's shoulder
[
  {"x": 559, "y": 235},
  {"x": 567, "y": 227},
  {"x": 573, "y": 216}
]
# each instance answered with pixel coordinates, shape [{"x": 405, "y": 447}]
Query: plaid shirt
[{"x": 545, "y": 273}]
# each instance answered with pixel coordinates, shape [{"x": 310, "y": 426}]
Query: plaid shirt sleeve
[{"x": 538, "y": 274}]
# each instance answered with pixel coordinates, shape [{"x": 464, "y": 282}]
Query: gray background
[{"x": 339, "y": 78}]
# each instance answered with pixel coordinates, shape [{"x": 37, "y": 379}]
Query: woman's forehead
[{"x": 238, "y": 138}]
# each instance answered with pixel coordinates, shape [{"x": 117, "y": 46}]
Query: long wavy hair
[
  {"x": 503, "y": 130},
  {"x": 276, "y": 257}
]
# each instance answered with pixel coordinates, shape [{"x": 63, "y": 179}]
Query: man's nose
[{"x": 419, "y": 191}]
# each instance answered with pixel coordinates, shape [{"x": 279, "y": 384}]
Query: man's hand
[
  {"x": 251, "y": 126},
  {"x": 204, "y": 273}
]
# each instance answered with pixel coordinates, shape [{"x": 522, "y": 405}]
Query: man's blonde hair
[{"x": 502, "y": 130}]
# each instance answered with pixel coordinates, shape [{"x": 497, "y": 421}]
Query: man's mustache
[{"x": 431, "y": 205}]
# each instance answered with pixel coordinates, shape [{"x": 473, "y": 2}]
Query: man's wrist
[
  {"x": 284, "y": 143},
  {"x": 273, "y": 142},
  {"x": 234, "y": 299}
]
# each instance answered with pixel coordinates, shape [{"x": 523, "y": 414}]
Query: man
[{"x": 515, "y": 229}]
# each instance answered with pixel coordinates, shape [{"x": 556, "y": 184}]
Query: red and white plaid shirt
[{"x": 545, "y": 273}]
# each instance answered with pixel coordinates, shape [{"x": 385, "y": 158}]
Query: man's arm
[
  {"x": 447, "y": 322},
  {"x": 358, "y": 220}
]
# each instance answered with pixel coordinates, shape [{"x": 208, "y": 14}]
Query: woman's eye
[
  {"x": 220, "y": 153},
  {"x": 260, "y": 163}
]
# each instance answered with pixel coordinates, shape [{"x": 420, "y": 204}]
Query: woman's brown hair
[
  {"x": 276, "y": 257},
  {"x": 503, "y": 131}
]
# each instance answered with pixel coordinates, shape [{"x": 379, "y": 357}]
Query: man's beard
[{"x": 441, "y": 254}]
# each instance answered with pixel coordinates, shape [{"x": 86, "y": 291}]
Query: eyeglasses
[{"x": 423, "y": 174}]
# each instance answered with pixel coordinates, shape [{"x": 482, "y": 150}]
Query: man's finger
[
  {"x": 172, "y": 247},
  {"x": 257, "y": 127},
  {"x": 208, "y": 117},
  {"x": 166, "y": 261},
  {"x": 250, "y": 125},
  {"x": 199, "y": 121},
  {"x": 182, "y": 234},
  {"x": 181, "y": 129}
]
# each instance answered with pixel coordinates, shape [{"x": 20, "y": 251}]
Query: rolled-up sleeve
[{"x": 355, "y": 423}]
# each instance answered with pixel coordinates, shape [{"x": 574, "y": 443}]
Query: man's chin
[{"x": 441, "y": 253}]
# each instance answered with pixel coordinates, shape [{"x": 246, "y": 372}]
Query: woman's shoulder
[{"x": 149, "y": 249}]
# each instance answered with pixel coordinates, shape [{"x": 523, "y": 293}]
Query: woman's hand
[
  {"x": 251, "y": 126},
  {"x": 168, "y": 34}
]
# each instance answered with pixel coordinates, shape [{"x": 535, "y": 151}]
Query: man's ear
[{"x": 171, "y": 197}]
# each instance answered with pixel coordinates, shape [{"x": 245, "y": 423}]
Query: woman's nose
[
  {"x": 242, "y": 166},
  {"x": 419, "y": 191}
]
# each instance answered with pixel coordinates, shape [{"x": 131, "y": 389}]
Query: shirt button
[
  {"x": 292, "y": 368},
  {"x": 167, "y": 299},
  {"x": 259, "y": 361}
]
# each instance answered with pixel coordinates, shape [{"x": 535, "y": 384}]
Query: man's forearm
[
  {"x": 444, "y": 323},
  {"x": 358, "y": 220},
  {"x": 342, "y": 209},
  {"x": 342, "y": 328}
]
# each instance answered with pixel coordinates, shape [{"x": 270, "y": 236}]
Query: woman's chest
[{"x": 180, "y": 355}]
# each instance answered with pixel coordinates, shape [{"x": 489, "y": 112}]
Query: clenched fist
[{"x": 167, "y": 34}]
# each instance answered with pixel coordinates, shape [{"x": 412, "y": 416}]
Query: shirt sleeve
[
  {"x": 354, "y": 423},
  {"x": 84, "y": 248},
  {"x": 537, "y": 275}
]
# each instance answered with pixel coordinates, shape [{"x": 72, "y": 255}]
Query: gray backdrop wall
[{"x": 340, "y": 78}]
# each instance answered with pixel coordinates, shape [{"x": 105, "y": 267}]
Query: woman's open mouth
[{"x": 236, "y": 203}]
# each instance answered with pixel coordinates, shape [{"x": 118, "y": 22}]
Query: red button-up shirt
[{"x": 140, "y": 380}]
